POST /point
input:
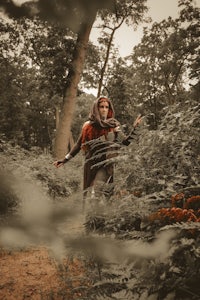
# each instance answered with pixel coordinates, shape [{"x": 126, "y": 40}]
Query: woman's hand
[
  {"x": 59, "y": 163},
  {"x": 117, "y": 129},
  {"x": 137, "y": 121}
]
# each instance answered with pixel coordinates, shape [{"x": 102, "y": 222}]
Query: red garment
[
  {"x": 93, "y": 140},
  {"x": 91, "y": 132}
]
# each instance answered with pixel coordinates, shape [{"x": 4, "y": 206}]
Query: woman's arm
[{"x": 75, "y": 150}]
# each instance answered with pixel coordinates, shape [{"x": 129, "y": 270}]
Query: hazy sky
[{"x": 126, "y": 38}]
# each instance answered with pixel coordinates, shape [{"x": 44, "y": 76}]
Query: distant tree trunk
[
  {"x": 103, "y": 70},
  {"x": 63, "y": 131},
  {"x": 71, "y": 141},
  {"x": 57, "y": 116}
]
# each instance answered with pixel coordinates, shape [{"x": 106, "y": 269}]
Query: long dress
[
  {"x": 100, "y": 142},
  {"x": 98, "y": 152}
]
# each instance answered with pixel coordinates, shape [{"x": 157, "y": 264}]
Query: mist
[{"x": 58, "y": 225}]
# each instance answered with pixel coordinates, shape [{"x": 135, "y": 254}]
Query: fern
[
  {"x": 182, "y": 226},
  {"x": 123, "y": 294}
]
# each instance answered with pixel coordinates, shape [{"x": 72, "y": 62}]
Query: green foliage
[
  {"x": 129, "y": 12},
  {"x": 8, "y": 197},
  {"x": 49, "y": 48},
  {"x": 120, "y": 95},
  {"x": 175, "y": 271},
  {"x": 83, "y": 106},
  {"x": 13, "y": 106},
  {"x": 173, "y": 275},
  {"x": 167, "y": 153},
  {"x": 162, "y": 68},
  {"x": 25, "y": 111},
  {"x": 159, "y": 164},
  {"x": 38, "y": 167},
  {"x": 162, "y": 61},
  {"x": 35, "y": 59}
]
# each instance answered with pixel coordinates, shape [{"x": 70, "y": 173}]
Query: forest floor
[
  {"x": 34, "y": 273},
  {"x": 29, "y": 274}
]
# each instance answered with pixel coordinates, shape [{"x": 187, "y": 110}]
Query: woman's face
[{"x": 103, "y": 109}]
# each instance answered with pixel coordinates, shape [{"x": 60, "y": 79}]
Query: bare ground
[{"x": 34, "y": 274}]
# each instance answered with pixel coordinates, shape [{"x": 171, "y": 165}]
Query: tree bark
[
  {"x": 57, "y": 115},
  {"x": 63, "y": 131}
]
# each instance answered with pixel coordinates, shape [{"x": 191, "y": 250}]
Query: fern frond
[
  {"x": 123, "y": 294},
  {"x": 182, "y": 226}
]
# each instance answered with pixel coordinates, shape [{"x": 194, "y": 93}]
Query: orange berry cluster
[
  {"x": 181, "y": 211},
  {"x": 177, "y": 200},
  {"x": 175, "y": 214}
]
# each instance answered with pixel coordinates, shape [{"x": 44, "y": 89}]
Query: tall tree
[
  {"x": 46, "y": 52},
  {"x": 165, "y": 61},
  {"x": 25, "y": 92},
  {"x": 163, "y": 66},
  {"x": 79, "y": 16},
  {"x": 130, "y": 12}
]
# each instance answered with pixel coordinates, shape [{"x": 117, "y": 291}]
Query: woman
[{"x": 99, "y": 139}]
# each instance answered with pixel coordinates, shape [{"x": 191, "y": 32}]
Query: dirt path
[
  {"x": 34, "y": 274},
  {"x": 29, "y": 273}
]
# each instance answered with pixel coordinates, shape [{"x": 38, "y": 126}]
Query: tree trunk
[
  {"x": 63, "y": 130},
  {"x": 57, "y": 114},
  {"x": 71, "y": 141},
  {"x": 103, "y": 70}
]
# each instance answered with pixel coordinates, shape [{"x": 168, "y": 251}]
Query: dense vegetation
[
  {"x": 153, "y": 215},
  {"x": 35, "y": 60},
  {"x": 151, "y": 231}
]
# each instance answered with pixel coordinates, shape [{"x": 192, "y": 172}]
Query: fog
[{"x": 59, "y": 225}]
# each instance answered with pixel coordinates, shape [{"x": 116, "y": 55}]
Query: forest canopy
[{"x": 35, "y": 58}]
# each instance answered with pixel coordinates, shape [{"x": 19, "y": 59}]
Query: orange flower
[{"x": 177, "y": 200}]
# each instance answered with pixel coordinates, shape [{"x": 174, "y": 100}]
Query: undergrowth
[{"x": 157, "y": 191}]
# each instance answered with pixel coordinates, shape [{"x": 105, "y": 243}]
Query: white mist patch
[
  {"x": 37, "y": 220},
  {"x": 116, "y": 251},
  {"x": 36, "y": 207},
  {"x": 14, "y": 238},
  {"x": 159, "y": 248},
  {"x": 20, "y": 2},
  {"x": 30, "y": 223},
  {"x": 60, "y": 227}
]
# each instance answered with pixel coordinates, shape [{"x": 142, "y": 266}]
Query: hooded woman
[{"x": 99, "y": 136}]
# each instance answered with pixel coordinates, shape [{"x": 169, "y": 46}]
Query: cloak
[{"x": 98, "y": 142}]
